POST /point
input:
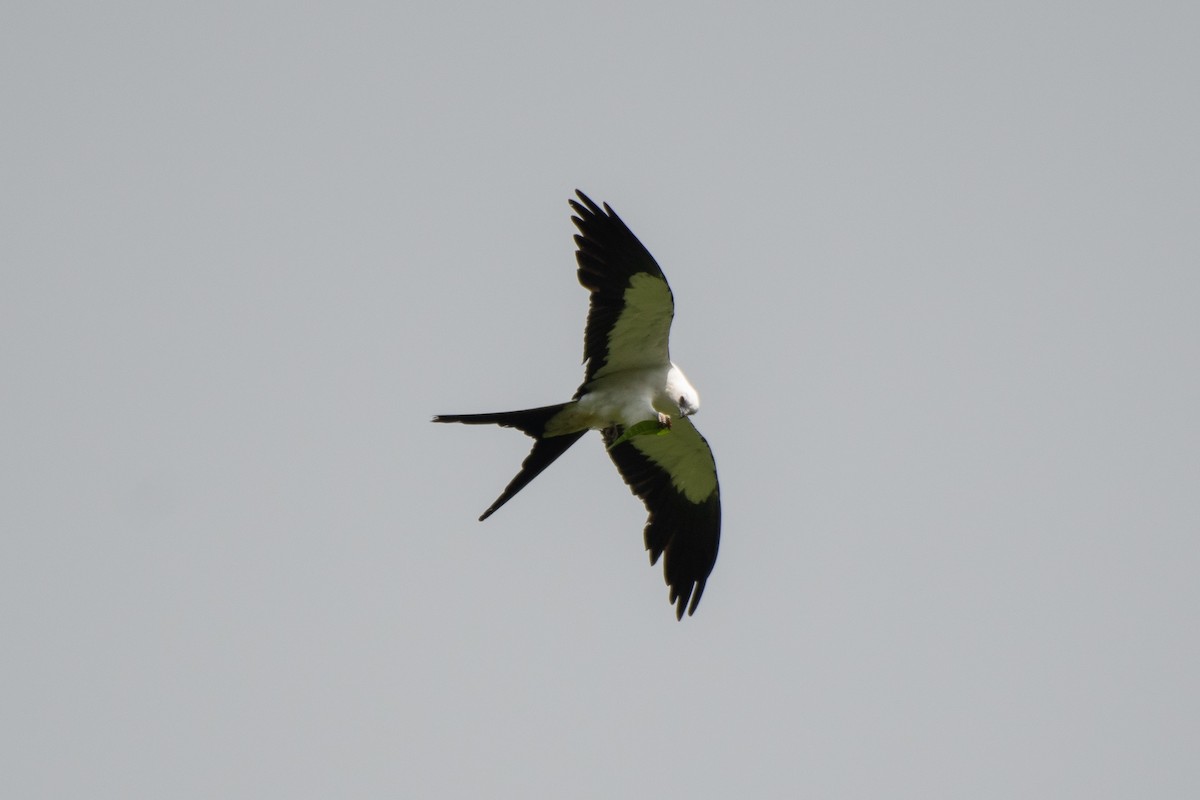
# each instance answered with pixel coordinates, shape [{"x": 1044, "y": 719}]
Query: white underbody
[{"x": 626, "y": 398}]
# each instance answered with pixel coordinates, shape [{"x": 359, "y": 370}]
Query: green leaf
[{"x": 650, "y": 427}]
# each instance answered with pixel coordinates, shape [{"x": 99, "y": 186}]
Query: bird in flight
[{"x": 637, "y": 398}]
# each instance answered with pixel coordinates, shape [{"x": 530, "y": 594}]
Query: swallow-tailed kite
[{"x": 638, "y": 399}]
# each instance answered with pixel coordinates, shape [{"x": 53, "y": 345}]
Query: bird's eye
[{"x": 682, "y": 402}]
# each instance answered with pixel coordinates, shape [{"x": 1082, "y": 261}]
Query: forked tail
[{"x": 531, "y": 422}]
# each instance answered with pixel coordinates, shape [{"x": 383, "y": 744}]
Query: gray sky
[{"x": 937, "y": 272}]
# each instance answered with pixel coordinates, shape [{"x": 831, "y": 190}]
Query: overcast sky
[{"x": 937, "y": 279}]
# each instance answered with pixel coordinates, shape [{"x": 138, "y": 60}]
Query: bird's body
[
  {"x": 625, "y": 398},
  {"x": 630, "y": 381}
]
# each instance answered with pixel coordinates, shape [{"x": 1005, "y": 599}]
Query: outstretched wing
[
  {"x": 676, "y": 477},
  {"x": 629, "y": 319}
]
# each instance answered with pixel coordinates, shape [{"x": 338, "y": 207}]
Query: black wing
[
  {"x": 676, "y": 477},
  {"x": 629, "y": 318}
]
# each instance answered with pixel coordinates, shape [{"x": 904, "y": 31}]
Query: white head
[{"x": 682, "y": 393}]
